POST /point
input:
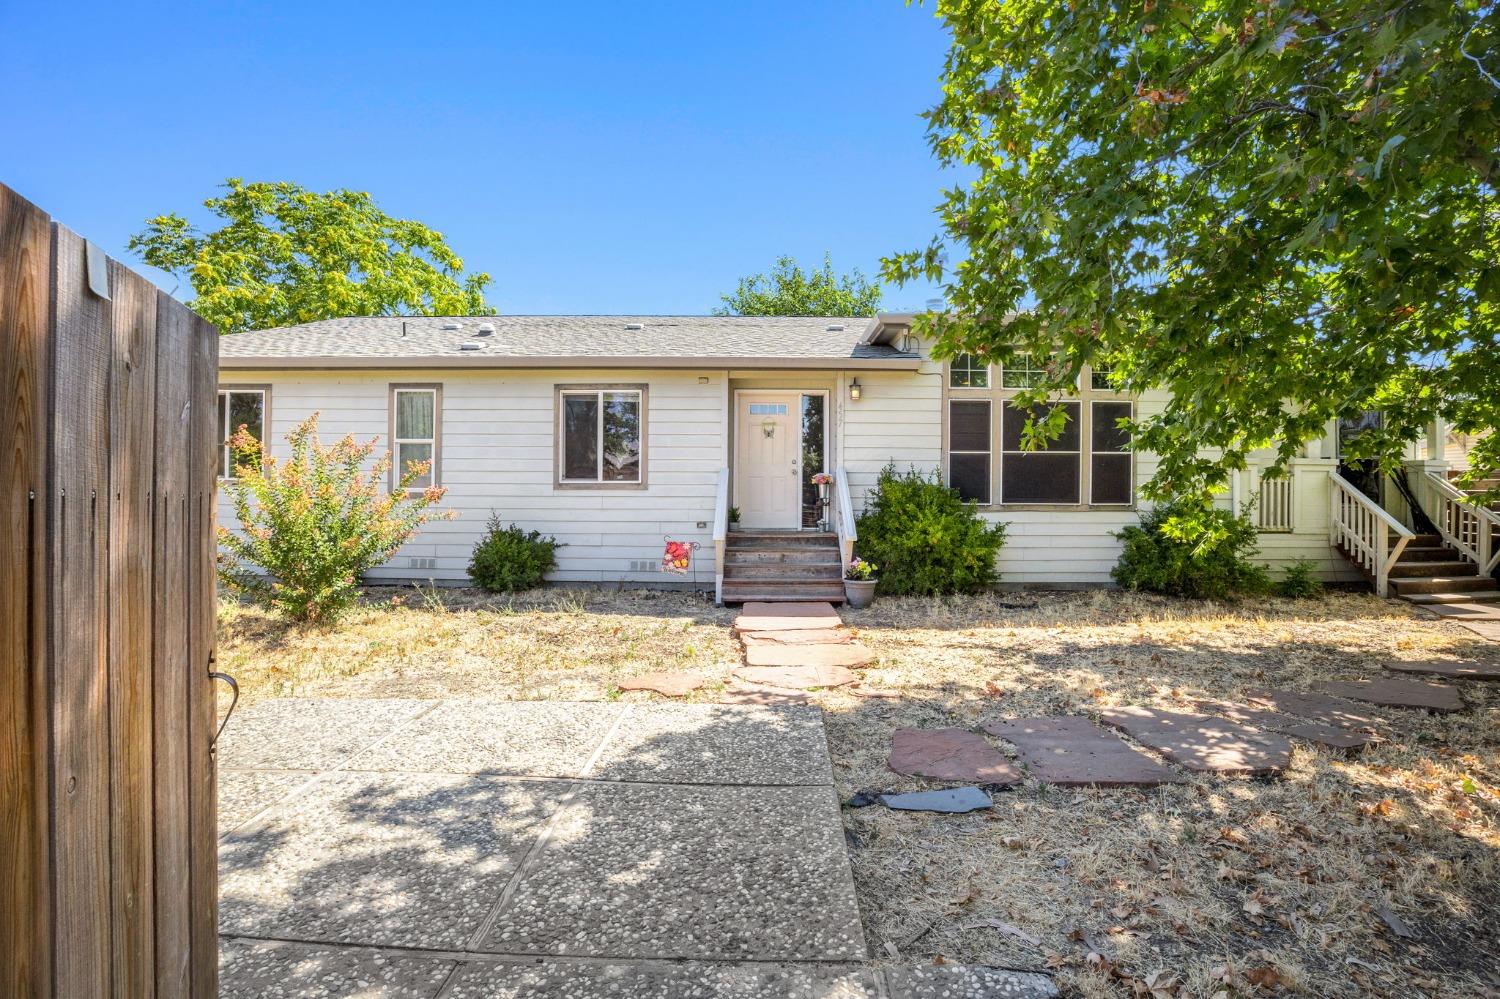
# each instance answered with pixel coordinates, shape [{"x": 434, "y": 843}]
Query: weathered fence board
[
  {"x": 25, "y": 358},
  {"x": 107, "y": 441}
]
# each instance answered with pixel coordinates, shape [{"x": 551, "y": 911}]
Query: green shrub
[
  {"x": 509, "y": 559},
  {"x": 925, "y": 539},
  {"x": 312, "y": 524},
  {"x": 1189, "y": 551},
  {"x": 1300, "y": 581}
]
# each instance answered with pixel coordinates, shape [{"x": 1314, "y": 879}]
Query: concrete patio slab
[
  {"x": 254, "y": 969},
  {"x": 653, "y": 871},
  {"x": 1319, "y": 707},
  {"x": 786, "y": 617},
  {"x": 815, "y": 656},
  {"x": 968, "y": 982},
  {"x": 1333, "y": 737},
  {"x": 949, "y": 754},
  {"x": 1447, "y": 669},
  {"x": 243, "y": 793},
  {"x": 1070, "y": 751},
  {"x": 309, "y": 733},
  {"x": 716, "y": 744},
  {"x": 523, "y": 738},
  {"x": 1396, "y": 693},
  {"x": 1202, "y": 742},
  {"x": 411, "y": 860},
  {"x": 659, "y": 980},
  {"x": 740, "y": 692}
]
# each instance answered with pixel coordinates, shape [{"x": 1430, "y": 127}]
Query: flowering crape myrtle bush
[{"x": 311, "y": 524}]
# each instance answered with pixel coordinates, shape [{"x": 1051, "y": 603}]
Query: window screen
[
  {"x": 969, "y": 449},
  {"x": 1110, "y": 472},
  {"x": 1051, "y": 475}
]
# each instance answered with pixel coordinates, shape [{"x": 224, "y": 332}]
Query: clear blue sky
[{"x": 593, "y": 157}]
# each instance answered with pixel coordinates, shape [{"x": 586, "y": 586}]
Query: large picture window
[
  {"x": 601, "y": 435},
  {"x": 969, "y": 449},
  {"x": 1089, "y": 464},
  {"x": 415, "y": 416},
  {"x": 240, "y": 407}
]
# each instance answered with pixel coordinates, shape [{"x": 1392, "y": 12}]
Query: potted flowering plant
[
  {"x": 859, "y": 582},
  {"x": 821, "y": 481}
]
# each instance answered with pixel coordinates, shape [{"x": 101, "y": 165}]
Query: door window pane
[{"x": 812, "y": 457}]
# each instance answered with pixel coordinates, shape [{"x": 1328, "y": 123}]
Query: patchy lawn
[{"x": 1371, "y": 875}]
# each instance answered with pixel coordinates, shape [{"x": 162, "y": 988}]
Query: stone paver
[
  {"x": 786, "y": 617},
  {"x": 244, "y": 793},
  {"x": 659, "y": 980},
  {"x": 1395, "y": 693},
  {"x": 648, "y": 871},
  {"x": 800, "y": 677},
  {"x": 968, "y": 982},
  {"x": 717, "y": 744},
  {"x": 1070, "y": 751},
  {"x": 953, "y": 799},
  {"x": 1447, "y": 669},
  {"x": 1319, "y": 707},
  {"x": 252, "y": 969},
  {"x": 949, "y": 754},
  {"x": 533, "y": 738},
  {"x": 1203, "y": 743},
  {"x": 838, "y": 654},
  {"x": 809, "y": 636},
  {"x": 413, "y": 860},
  {"x": 1318, "y": 733},
  {"x": 671, "y": 684},
  {"x": 309, "y": 733}
]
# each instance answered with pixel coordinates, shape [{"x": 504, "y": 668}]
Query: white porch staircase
[{"x": 780, "y": 566}]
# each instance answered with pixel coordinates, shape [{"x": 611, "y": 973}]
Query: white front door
[{"x": 767, "y": 456}]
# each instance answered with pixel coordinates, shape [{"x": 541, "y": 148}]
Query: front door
[{"x": 767, "y": 459}]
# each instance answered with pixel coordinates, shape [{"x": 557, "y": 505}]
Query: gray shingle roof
[{"x": 390, "y": 341}]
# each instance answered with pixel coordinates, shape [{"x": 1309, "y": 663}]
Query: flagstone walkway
[{"x": 423, "y": 849}]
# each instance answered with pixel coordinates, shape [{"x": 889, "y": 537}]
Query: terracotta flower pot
[{"x": 859, "y": 592}]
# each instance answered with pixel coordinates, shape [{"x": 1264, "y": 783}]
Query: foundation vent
[
  {"x": 642, "y": 565},
  {"x": 422, "y": 563}
]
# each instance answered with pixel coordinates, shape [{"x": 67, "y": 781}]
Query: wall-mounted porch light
[{"x": 854, "y": 390}]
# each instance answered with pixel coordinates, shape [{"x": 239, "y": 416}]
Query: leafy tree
[
  {"x": 790, "y": 291},
  {"x": 313, "y": 523},
  {"x": 286, "y": 255},
  {"x": 1282, "y": 212}
]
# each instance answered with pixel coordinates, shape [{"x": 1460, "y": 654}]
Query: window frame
[
  {"x": 989, "y": 455},
  {"x": 559, "y": 432},
  {"x": 1097, "y": 398},
  {"x": 225, "y": 470},
  {"x": 985, "y": 369},
  {"x": 1085, "y": 395},
  {"x": 436, "y": 440}
]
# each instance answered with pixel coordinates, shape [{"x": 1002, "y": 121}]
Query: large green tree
[
  {"x": 1283, "y": 211},
  {"x": 790, "y": 291},
  {"x": 286, "y": 255}
]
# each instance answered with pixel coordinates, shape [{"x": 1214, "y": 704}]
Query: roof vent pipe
[
  {"x": 634, "y": 326},
  {"x": 450, "y": 326}
]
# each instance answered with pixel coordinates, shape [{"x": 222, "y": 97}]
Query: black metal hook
[{"x": 235, "y": 689}]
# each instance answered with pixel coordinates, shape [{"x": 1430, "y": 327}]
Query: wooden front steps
[
  {"x": 1429, "y": 572},
  {"x": 782, "y": 566}
]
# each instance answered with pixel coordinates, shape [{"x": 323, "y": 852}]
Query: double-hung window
[
  {"x": 969, "y": 449},
  {"x": 416, "y": 416},
  {"x": 1050, "y": 474},
  {"x": 240, "y": 406},
  {"x": 601, "y": 436}
]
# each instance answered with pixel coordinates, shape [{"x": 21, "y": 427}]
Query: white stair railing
[
  {"x": 1471, "y": 530},
  {"x": 1363, "y": 530},
  {"x": 721, "y": 532},
  {"x": 843, "y": 516}
]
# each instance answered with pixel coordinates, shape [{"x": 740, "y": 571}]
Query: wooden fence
[{"x": 107, "y": 716}]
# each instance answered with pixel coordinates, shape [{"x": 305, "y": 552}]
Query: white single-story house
[{"x": 615, "y": 433}]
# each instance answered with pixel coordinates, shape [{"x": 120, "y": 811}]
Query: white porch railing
[
  {"x": 1472, "y": 530},
  {"x": 1359, "y": 526},
  {"x": 843, "y": 515},
  {"x": 1275, "y": 509},
  {"x": 721, "y": 532}
]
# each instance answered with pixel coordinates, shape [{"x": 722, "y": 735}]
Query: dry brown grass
[{"x": 1214, "y": 883}]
